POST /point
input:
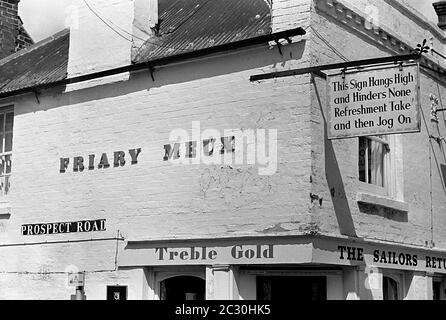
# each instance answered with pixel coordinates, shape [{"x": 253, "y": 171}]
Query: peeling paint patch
[
  {"x": 317, "y": 199},
  {"x": 275, "y": 229},
  {"x": 239, "y": 187},
  {"x": 311, "y": 228}
]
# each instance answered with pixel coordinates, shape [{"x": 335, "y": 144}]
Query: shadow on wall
[
  {"x": 192, "y": 70},
  {"x": 431, "y": 145},
  {"x": 386, "y": 213},
  {"x": 334, "y": 180}
]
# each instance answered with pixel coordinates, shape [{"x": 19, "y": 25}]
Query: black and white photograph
[{"x": 260, "y": 151}]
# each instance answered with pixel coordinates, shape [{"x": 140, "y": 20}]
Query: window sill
[
  {"x": 386, "y": 202},
  {"x": 5, "y": 209}
]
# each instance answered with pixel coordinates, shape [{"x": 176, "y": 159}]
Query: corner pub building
[{"x": 97, "y": 201}]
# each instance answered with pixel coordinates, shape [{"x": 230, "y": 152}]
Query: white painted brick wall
[
  {"x": 153, "y": 199},
  {"x": 348, "y": 218},
  {"x": 94, "y": 46},
  {"x": 413, "y": 28},
  {"x": 290, "y": 14}
]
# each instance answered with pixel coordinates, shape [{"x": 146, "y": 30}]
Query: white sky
[{"x": 43, "y": 18}]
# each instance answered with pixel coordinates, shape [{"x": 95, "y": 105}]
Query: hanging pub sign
[{"x": 374, "y": 101}]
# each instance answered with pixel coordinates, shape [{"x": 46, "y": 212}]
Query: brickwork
[
  {"x": 157, "y": 200},
  {"x": 335, "y": 170},
  {"x": 9, "y": 26},
  {"x": 13, "y": 37},
  {"x": 23, "y": 38},
  {"x": 290, "y": 14}
]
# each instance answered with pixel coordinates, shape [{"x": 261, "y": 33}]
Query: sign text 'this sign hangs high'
[{"x": 374, "y": 101}]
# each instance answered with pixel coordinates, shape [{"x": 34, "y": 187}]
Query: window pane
[
  {"x": 2, "y": 166},
  {"x": 7, "y": 185},
  {"x": 8, "y": 142},
  {"x": 9, "y": 121},
  {"x": 8, "y": 164},
  {"x": 1, "y": 143},
  {"x": 362, "y": 159},
  {"x": 370, "y": 159},
  {"x": 377, "y": 163},
  {"x": 2, "y": 122}
]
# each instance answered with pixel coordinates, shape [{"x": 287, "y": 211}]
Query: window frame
[
  {"x": 4, "y": 176},
  {"x": 388, "y": 189},
  {"x": 108, "y": 287}
]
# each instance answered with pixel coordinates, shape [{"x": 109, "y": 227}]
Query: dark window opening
[
  {"x": 116, "y": 293},
  {"x": 292, "y": 288},
  {"x": 183, "y": 288}
]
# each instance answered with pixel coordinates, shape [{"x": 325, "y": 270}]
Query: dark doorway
[
  {"x": 183, "y": 288},
  {"x": 437, "y": 290},
  {"x": 292, "y": 288},
  {"x": 390, "y": 289}
]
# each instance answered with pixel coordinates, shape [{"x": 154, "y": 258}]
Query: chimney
[
  {"x": 104, "y": 34},
  {"x": 13, "y": 36},
  {"x": 146, "y": 18},
  {"x": 289, "y": 14},
  {"x": 23, "y": 38},
  {"x": 440, "y": 8}
]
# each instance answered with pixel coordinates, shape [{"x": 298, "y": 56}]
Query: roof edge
[
  {"x": 34, "y": 46},
  {"x": 418, "y": 17},
  {"x": 162, "y": 61}
]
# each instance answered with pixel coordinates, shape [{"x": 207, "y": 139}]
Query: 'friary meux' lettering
[
  {"x": 103, "y": 161},
  {"x": 210, "y": 147}
]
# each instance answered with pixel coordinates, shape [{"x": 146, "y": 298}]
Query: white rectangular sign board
[
  {"x": 76, "y": 279},
  {"x": 374, "y": 101}
]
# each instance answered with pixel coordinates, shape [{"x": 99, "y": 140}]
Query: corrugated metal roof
[
  {"x": 188, "y": 25},
  {"x": 185, "y": 26},
  {"x": 44, "y": 62}
]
